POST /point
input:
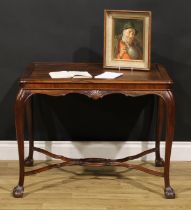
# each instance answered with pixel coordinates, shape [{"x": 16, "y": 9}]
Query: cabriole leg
[
  {"x": 170, "y": 124},
  {"x": 19, "y": 124}
]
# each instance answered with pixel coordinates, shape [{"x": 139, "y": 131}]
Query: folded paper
[{"x": 69, "y": 74}]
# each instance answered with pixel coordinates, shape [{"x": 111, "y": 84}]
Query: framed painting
[{"x": 127, "y": 39}]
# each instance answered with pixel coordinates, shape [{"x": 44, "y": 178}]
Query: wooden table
[{"x": 36, "y": 80}]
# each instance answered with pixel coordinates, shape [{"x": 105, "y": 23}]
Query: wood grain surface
[{"x": 81, "y": 188}]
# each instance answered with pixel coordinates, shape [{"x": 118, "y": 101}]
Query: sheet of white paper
[
  {"x": 108, "y": 75},
  {"x": 60, "y": 74},
  {"x": 69, "y": 74},
  {"x": 81, "y": 74}
]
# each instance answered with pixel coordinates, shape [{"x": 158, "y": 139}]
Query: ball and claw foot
[
  {"x": 28, "y": 162},
  {"x": 18, "y": 191},
  {"x": 169, "y": 193},
  {"x": 159, "y": 162}
]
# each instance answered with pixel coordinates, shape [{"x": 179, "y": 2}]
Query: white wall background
[{"x": 181, "y": 151}]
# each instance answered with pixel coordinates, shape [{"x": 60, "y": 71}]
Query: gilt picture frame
[{"x": 127, "y": 39}]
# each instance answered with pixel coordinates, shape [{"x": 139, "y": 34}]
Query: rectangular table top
[{"x": 37, "y": 76}]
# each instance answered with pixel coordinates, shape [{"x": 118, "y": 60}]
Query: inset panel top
[{"x": 37, "y": 76}]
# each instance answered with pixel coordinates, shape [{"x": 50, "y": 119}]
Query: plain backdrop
[{"x": 72, "y": 30}]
